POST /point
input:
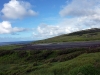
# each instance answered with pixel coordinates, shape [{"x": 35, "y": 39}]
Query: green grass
[
  {"x": 85, "y": 64},
  {"x": 77, "y": 61},
  {"x": 10, "y": 47}
]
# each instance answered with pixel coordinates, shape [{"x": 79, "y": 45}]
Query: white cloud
[
  {"x": 81, "y": 8},
  {"x": 48, "y": 30},
  {"x": 64, "y": 27},
  {"x": 6, "y": 28},
  {"x": 17, "y": 9},
  {"x": 85, "y": 14}
]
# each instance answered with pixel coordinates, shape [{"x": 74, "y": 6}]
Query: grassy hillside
[
  {"x": 84, "y": 35},
  {"x": 77, "y": 61},
  {"x": 74, "y": 61}
]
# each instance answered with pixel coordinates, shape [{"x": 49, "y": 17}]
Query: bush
[
  {"x": 50, "y": 60},
  {"x": 44, "y": 54},
  {"x": 32, "y": 52},
  {"x": 93, "y": 50},
  {"x": 6, "y": 52},
  {"x": 22, "y": 53},
  {"x": 65, "y": 57},
  {"x": 88, "y": 69},
  {"x": 38, "y": 57}
]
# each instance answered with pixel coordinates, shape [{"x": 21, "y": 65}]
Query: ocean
[{"x": 19, "y": 42}]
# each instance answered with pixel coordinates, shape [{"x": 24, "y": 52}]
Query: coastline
[{"x": 14, "y": 43}]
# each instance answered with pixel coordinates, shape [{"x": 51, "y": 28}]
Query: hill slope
[
  {"x": 78, "y": 61},
  {"x": 84, "y": 35}
]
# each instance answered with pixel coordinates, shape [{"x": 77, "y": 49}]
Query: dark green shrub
[
  {"x": 65, "y": 57},
  {"x": 93, "y": 50},
  {"x": 22, "y": 53},
  {"x": 35, "y": 64},
  {"x": 67, "y": 51},
  {"x": 38, "y": 57},
  {"x": 88, "y": 69},
  {"x": 6, "y": 52},
  {"x": 32, "y": 52},
  {"x": 50, "y": 60},
  {"x": 44, "y": 54}
]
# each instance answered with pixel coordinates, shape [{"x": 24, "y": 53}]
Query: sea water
[{"x": 9, "y": 43}]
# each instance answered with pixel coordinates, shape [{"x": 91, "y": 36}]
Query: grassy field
[
  {"x": 84, "y": 35},
  {"x": 77, "y": 61}
]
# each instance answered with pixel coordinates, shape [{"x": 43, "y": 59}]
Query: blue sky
[{"x": 24, "y": 20}]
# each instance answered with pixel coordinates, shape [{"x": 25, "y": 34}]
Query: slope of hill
[
  {"x": 77, "y": 61},
  {"x": 84, "y": 35}
]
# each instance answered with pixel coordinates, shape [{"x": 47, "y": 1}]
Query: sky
[{"x": 26, "y": 20}]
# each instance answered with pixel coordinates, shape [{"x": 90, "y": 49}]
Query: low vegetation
[{"x": 77, "y": 61}]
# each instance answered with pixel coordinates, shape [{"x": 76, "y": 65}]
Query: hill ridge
[{"x": 83, "y": 35}]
